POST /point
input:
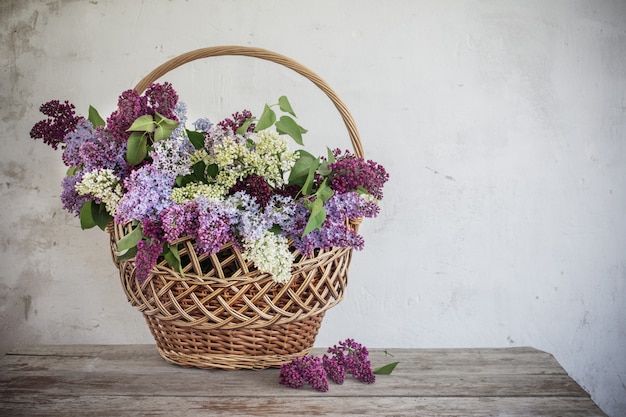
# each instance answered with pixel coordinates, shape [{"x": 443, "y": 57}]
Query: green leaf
[
  {"x": 212, "y": 170},
  {"x": 268, "y": 118},
  {"x": 95, "y": 118},
  {"x": 198, "y": 169},
  {"x": 162, "y": 132},
  {"x": 317, "y": 217},
  {"x": 165, "y": 122},
  {"x": 331, "y": 156},
  {"x": 86, "y": 217},
  {"x": 324, "y": 192},
  {"x": 100, "y": 215},
  {"x": 287, "y": 126},
  {"x": 305, "y": 163},
  {"x": 307, "y": 187},
  {"x": 129, "y": 254},
  {"x": 172, "y": 257},
  {"x": 244, "y": 127},
  {"x": 71, "y": 171},
  {"x": 143, "y": 123},
  {"x": 284, "y": 105},
  {"x": 386, "y": 370},
  {"x": 130, "y": 240},
  {"x": 196, "y": 139},
  {"x": 136, "y": 148}
]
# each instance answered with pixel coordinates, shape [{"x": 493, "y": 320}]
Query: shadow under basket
[{"x": 223, "y": 312}]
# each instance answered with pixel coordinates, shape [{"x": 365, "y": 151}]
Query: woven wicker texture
[{"x": 223, "y": 313}]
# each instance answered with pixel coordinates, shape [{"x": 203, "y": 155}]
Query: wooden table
[{"x": 132, "y": 380}]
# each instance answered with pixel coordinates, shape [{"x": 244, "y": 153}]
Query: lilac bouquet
[{"x": 233, "y": 181}]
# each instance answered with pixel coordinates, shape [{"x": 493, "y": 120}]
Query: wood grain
[{"x": 133, "y": 380}]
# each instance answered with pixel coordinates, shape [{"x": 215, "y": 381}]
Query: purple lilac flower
[
  {"x": 179, "y": 220},
  {"x": 290, "y": 374},
  {"x": 153, "y": 230},
  {"x": 61, "y": 121},
  {"x": 104, "y": 152},
  {"x": 148, "y": 252},
  {"x": 130, "y": 106},
  {"x": 210, "y": 228},
  {"x": 213, "y": 232},
  {"x": 335, "y": 371},
  {"x": 308, "y": 369},
  {"x": 255, "y": 186},
  {"x": 72, "y": 201},
  {"x": 334, "y": 231},
  {"x": 162, "y": 98},
  {"x": 149, "y": 192},
  {"x": 354, "y": 358},
  {"x": 350, "y": 173},
  {"x": 83, "y": 133},
  {"x": 342, "y": 206},
  {"x": 238, "y": 119}
]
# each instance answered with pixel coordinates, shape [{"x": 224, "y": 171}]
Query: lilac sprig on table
[{"x": 346, "y": 357}]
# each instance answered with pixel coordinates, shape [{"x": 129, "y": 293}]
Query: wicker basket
[{"x": 223, "y": 313}]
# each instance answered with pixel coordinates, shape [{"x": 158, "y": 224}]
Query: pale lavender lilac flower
[
  {"x": 148, "y": 193},
  {"x": 202, "y": 125},
  {"x": 334, "y": 231},
  {"x": 180, "y": 113},
  {"x": 72, "y": 201}
]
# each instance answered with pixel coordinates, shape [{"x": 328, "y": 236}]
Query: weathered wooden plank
[
  {"x": 517, "y": 360},
  {"x": 95, "y": 406},
  {"x": 62, "y": 379},
  {"x": 265, "y": 383}
]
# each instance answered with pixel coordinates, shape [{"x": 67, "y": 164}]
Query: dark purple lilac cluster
[
  {"x": 353, "y": 357},
  {"x": 349, "y": 356},
  {"x": 308, "y": 369},
  {"x": 351, "y": 173},
  {"x": 239, "y": 118},
  {"x": 61, "y": 120},
  {"x": 161, "y": 98},
  {"x": 256, "y": 186}
]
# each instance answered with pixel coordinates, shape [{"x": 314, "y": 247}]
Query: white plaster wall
[{"x": 502, "y": 124}]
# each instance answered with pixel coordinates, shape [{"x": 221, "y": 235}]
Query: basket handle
[{"x": 260, "y": 53}]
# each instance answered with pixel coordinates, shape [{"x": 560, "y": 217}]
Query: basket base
[
  {"x": 228, "y": 361},
  {"x": 245, "y": 348}
]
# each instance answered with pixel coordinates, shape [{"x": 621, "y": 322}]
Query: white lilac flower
[
  {"x": 194, "y": 190},
  {"x": 200, "y": 155},
  {"x": 273, "y": 157},
  {"x": 172, "y": 156},
  {"x": 270, "y": 254},
  {"x": 103, "y": 184}
]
